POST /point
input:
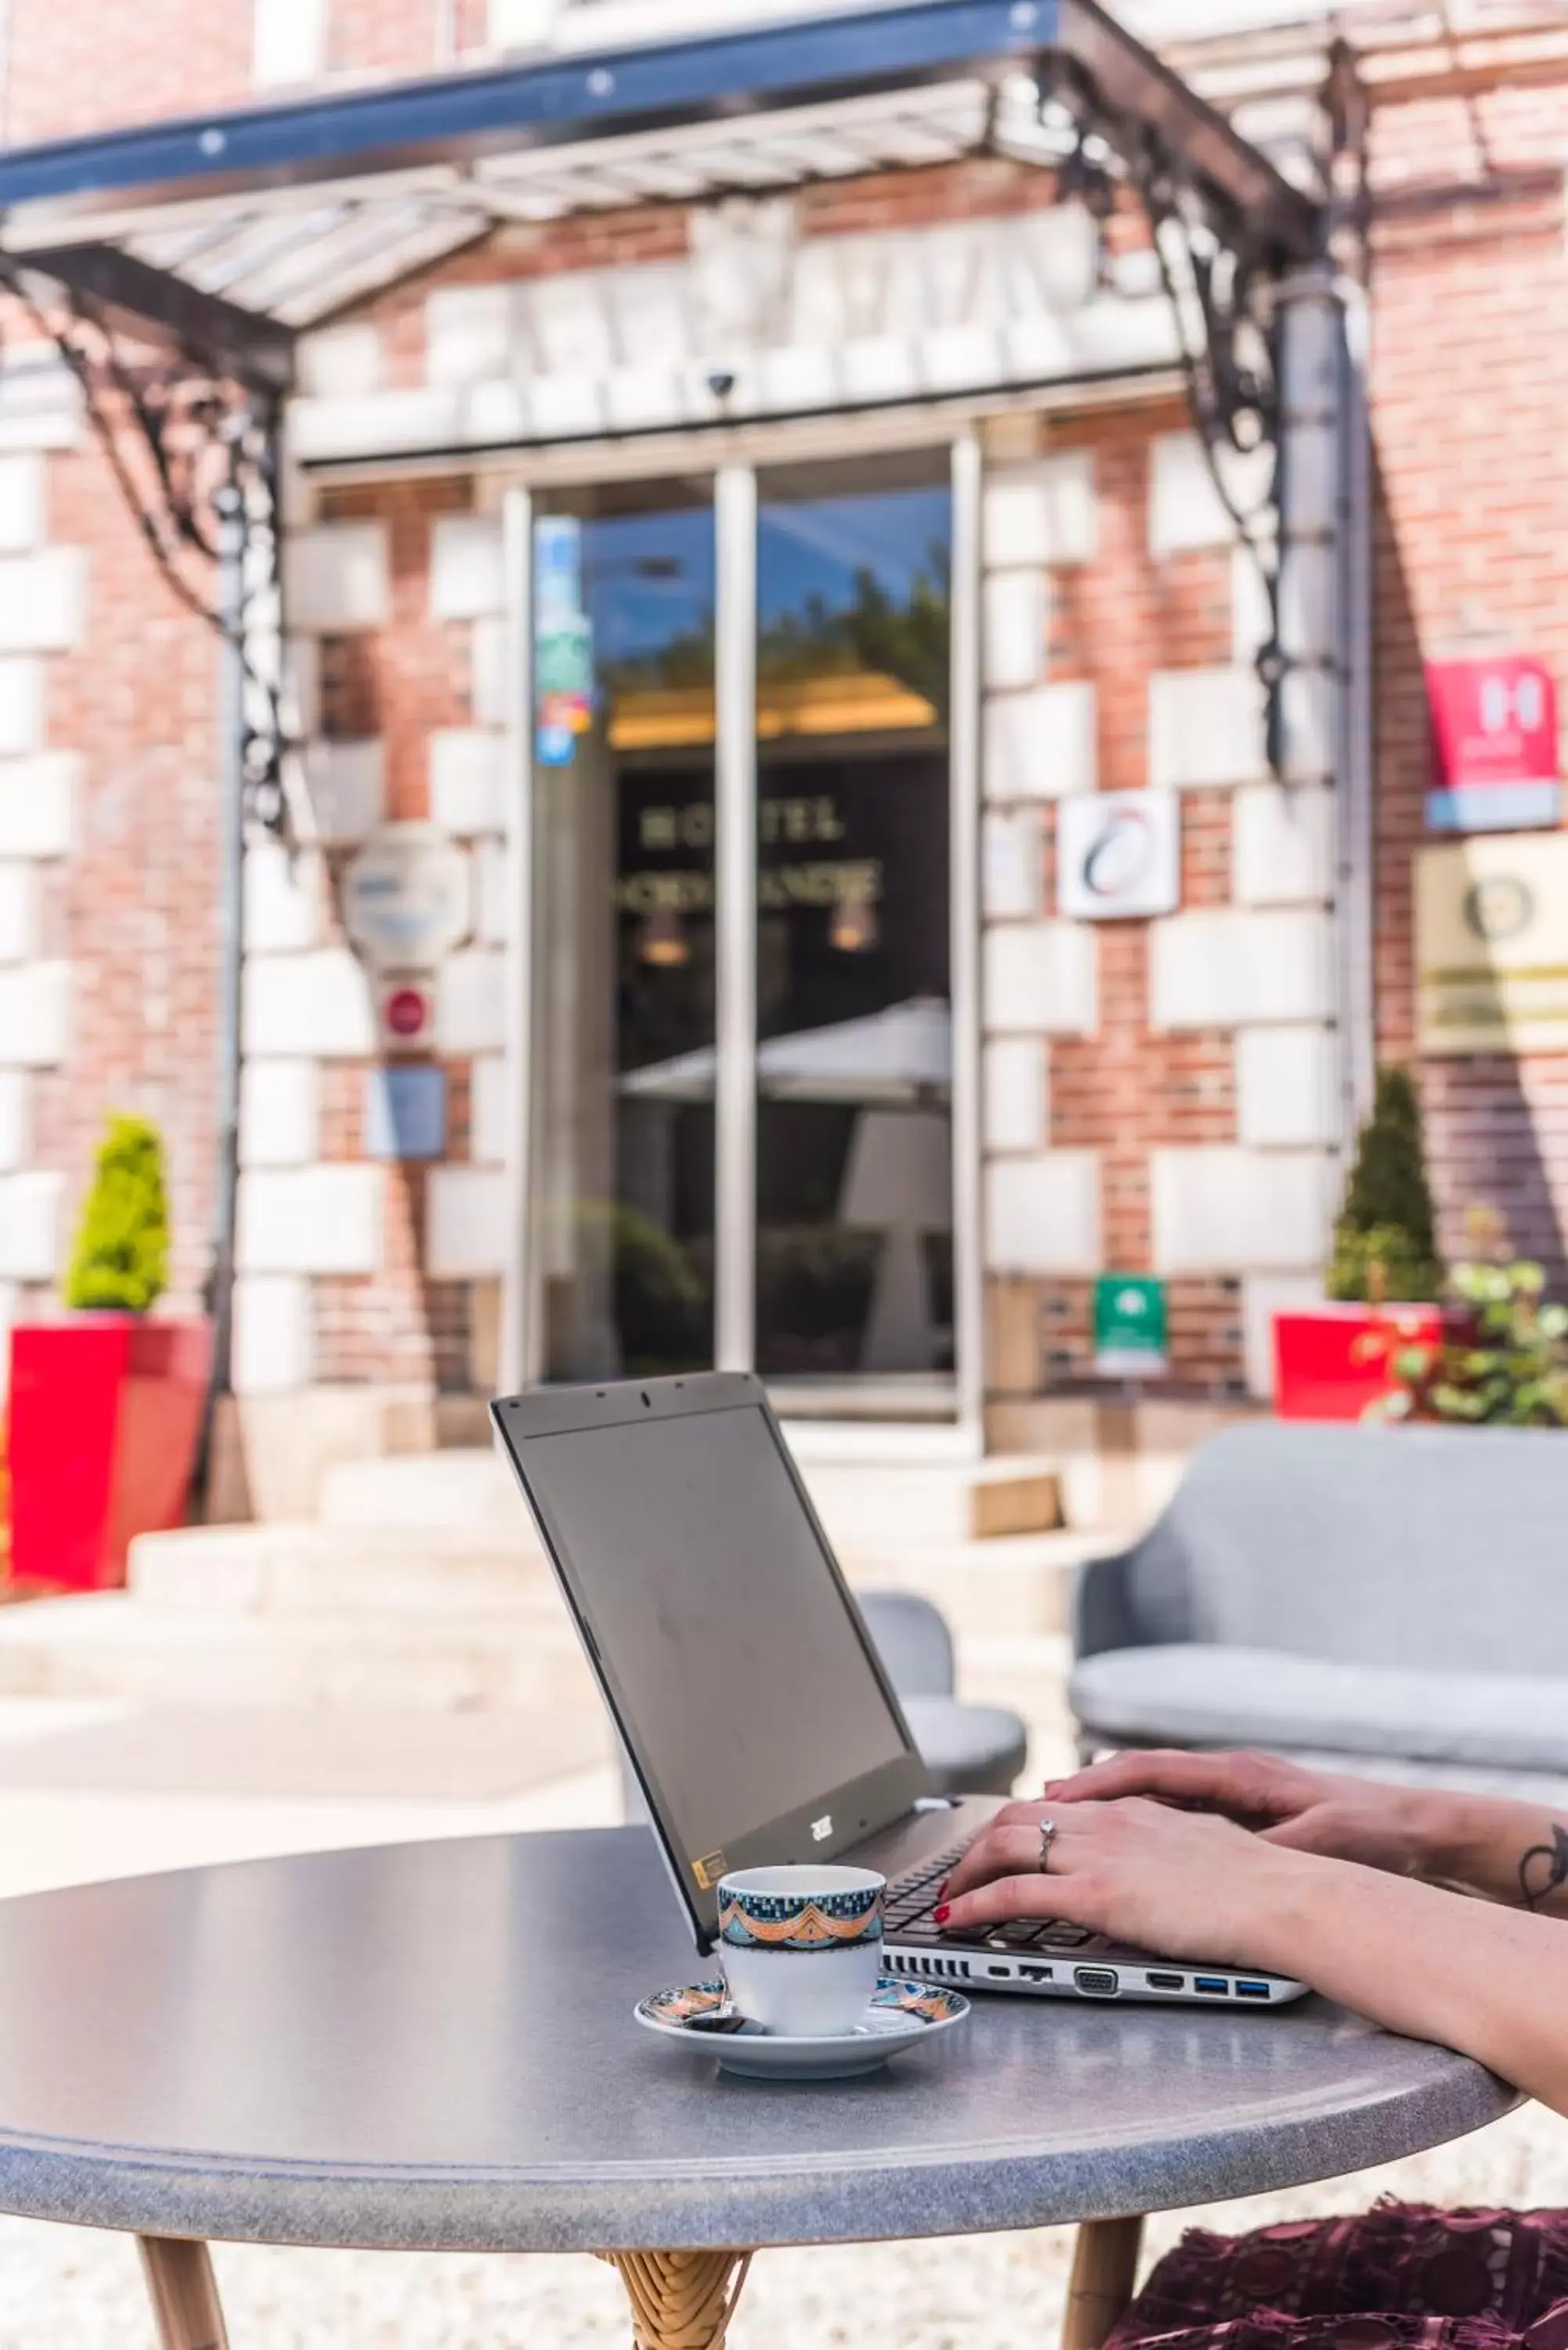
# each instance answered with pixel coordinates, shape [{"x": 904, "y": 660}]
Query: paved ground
[{"x": 90, "y": 1791}]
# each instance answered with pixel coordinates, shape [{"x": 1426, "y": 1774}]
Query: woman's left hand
[{"x": 1185, "y": 1883}]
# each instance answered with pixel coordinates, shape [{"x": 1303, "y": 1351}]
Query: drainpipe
[
  {"x": 230, "y": 952},
  {"x": 1355, "y": 834},
  {"x": 517, "y": 1363},
  {"x": 1323, "y": 634}
]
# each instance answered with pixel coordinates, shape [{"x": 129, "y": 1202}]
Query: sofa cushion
[{"x": 1191, "y": 1694}]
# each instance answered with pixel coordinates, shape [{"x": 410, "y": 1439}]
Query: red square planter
[
  {"x": 1332, "y": 1361},
  {"x": 104, "y": 1417}
]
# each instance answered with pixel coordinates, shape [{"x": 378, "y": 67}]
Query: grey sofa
[{"x": 1392, "y": 1600}]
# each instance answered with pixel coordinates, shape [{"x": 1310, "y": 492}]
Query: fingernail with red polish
[
  {"x": 942, "y": 1888},
  {"x": 943, "y": 1913}
]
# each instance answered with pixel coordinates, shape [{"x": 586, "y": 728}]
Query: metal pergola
[
  {"x": 248, "y": 223},
  {"x": 174, "y": 265}
]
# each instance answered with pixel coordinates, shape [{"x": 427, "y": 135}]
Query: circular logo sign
[
  {"x": 406, "y": 896},
  {"x": 1120, "y": 858},
  {"x": 1498, "y": 908}
]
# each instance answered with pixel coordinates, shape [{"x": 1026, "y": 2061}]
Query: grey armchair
[{"x": 1395, "y": 1599}]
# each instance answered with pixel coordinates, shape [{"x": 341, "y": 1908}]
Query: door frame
[{"x": 733, "y": 472}]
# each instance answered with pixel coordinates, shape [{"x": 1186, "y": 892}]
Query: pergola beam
[{"x": 143, "y": 300}]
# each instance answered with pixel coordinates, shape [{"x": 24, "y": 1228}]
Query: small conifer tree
[
  {"x": 120, "y": 1261},
  {"x": 1384, "y": 1245}
]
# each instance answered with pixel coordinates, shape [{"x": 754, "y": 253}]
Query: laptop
[{"x": 752, "y": 1703}]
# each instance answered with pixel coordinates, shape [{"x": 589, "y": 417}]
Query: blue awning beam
[{"x": 270, "y": 219}]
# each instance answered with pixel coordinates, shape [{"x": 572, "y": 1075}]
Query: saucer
[{"x": 901, "y": 2014}]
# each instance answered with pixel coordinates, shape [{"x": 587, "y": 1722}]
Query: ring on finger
[{"x": 1047, "y": 1838}]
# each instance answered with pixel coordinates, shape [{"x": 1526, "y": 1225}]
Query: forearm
[
  {"x": 1489, "y": 1980},
  {"x": 1511, "y": 1852}
]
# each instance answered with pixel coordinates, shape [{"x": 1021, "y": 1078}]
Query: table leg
[
  {"x": 1105, "y": 2270},
  {"x": 682, "y": 2301},
  {"x": 183, "y": 2292}
]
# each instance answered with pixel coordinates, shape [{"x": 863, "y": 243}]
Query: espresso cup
[{"x": 801, "y": 1947}]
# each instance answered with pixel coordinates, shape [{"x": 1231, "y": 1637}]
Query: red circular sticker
[{"x": 406, "y": 1011}]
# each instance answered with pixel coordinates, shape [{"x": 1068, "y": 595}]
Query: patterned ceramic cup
[{"x": 801, "y": 1947}]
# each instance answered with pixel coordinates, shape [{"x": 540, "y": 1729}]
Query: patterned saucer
[{"x": 901, "y": 2014}]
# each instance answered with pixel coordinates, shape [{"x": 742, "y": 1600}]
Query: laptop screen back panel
[{"x": 729, "y": 1647}]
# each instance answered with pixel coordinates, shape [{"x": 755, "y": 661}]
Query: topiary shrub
[
  {"x": 1385, "y": 1246},
  {"x": 121, "y": 1262}
]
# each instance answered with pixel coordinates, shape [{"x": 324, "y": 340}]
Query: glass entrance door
[
  {"x": 623, "y": 790},
  {"x": 830, "y": 1249},
  {"x": 854, "y": 1225}
]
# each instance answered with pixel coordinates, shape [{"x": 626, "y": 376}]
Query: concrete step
[
  {"x": 114, "y": 1645},
  {"x": 1012, "y": 1583},
  {"x": 308, "y": 1569},
  {"x": 920, "y": 1505},
  {"x": 889, "y": 1502},
  {"x": 464, "y": 1487},
  {"x": 1017, "y": 1585}
]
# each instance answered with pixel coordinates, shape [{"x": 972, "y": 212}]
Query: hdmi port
[{"x": 1166, "y": 1982}]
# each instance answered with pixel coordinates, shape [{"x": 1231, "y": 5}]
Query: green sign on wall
[{"x": 1130, "y": 1333}]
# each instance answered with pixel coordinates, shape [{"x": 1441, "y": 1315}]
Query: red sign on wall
[{"x": 1494, "y": 744}]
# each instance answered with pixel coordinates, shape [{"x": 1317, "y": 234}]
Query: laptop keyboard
[{"x": 906, "y": 1916}]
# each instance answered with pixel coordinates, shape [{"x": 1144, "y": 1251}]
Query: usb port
[
  {"x": 1215, "y": 1985},
  {"x": 1166, "y": 1982},
  {"x": 1252, "y": 1990},
  {"x": 1036, "y": 1974}
]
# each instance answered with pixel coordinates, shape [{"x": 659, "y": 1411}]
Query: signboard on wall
[
  {"x": 1131, "y": 1339},
  {"x": 407, "y": 897},
  {"x": 1119, "y": 855},
  {"x": 1493, "y": 744},
  {"x": 1491, "y": 919},
  {"x": 405, "y": 1112}
]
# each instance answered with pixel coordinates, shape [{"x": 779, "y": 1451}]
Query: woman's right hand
[{"x": 1382, "y": 1826}]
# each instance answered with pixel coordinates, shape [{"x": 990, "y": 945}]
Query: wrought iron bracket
[
  {"x": 194, "y": 444},
  {"x": 1218, "y": 278}
]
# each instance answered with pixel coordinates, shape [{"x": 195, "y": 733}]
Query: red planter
[
  {"x": 105, "y": 1413},
  {"x": 1332, "y": 1361}
]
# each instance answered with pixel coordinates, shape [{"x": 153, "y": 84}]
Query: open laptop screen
[{"x": 721, "y": 1630}]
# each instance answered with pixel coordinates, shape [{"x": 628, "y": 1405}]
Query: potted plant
[
  {"x": 105, "y": 1402},
  {"x": 1332, "y": 1361},
  {"x": 1500, "y": 1357}
]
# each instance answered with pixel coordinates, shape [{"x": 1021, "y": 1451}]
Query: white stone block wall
[
  {"x": 307, "y": 1218},
  {"x": 1038, "y": 973},
  {"x": 327, "y": 1219},
  {"x": 44, "y": 596},
  {"x": 1256, "y": 975}
]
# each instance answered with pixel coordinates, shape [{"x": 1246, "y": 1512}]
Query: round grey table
[{"x": 432, "y": 2046}]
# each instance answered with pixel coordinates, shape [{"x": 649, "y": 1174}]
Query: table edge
[{"x": 789, "y": 2201}]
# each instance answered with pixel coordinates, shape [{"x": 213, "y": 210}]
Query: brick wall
[{"x": 1469, "y": 329}]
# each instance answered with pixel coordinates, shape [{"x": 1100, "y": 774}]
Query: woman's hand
[
  {"x": 1396, "y": 1828},
  {"x": 1174, "y": 1881}
]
